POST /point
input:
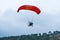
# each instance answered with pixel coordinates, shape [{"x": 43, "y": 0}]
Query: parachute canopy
[{"x": 29, "y": 7}]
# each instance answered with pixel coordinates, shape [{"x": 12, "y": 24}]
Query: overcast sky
[{"x": 13, "y": 23}]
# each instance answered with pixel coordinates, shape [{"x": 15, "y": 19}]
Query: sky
[{"x": 13, "y": 23}]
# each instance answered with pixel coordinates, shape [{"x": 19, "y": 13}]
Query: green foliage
[{"x": 45, "y": 36}]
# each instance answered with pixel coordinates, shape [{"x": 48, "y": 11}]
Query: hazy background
[{"x": 13, "y": 23}]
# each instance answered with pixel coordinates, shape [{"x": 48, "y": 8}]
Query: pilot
[{"x": 30, "y": 24}]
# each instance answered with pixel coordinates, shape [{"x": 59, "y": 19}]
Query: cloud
[
  {"x": 13, "y": 23},
  {"x": 47, "y": 6}
]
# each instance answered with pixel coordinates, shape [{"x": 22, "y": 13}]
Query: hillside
[{"x": 45, "y": 36}]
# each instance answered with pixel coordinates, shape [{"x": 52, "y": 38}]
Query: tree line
[{"x": 45, "y": 36}]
